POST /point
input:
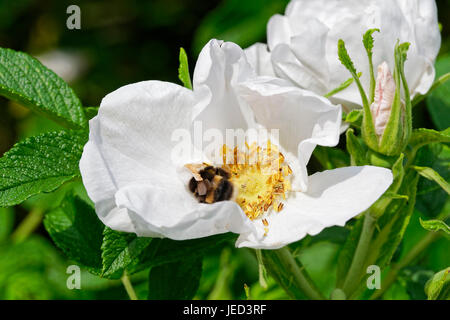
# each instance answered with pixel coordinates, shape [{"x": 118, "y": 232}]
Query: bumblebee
[{"x": 210, "y": 184}]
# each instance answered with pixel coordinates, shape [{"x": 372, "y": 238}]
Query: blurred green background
[{"x": 121, "y": 42}]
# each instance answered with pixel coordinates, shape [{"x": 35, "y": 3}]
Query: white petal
[
  {"x": 303, "y": 118},
  {"x": 278, "y": 31},
  {"x": 172, "y": 214},
  {"x": 220, "y": 66},
  {"x": 333, "y": 197},
  {"x": 287, "y": 66},
  {"x": 101, "y": 188},
  {"x": 412, "y": 21},
  {"x": 258, "y": 56},
  {"x": 130, "y": 142}
]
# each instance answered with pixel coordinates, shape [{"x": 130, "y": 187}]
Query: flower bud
[
  {"x": 387, "y": 127},
  {"x": 384, "y": 97}
]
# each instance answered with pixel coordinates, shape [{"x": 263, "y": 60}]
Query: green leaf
[
  {"x": 368, "y": 44},
  {"x": 345, "y": 58},
  {"x": 354, "y": 116},
  {"x": 368, "y": 40},
  {"x": 368, "y": 129},
  {"x": 75, "y": 228},
  {"x": 91, "y": 112},
  {"x": 431, "y": 198},
  {"x": 175, "y": 281},
  {"x": 344, "y": 85},
  {"x": 39, "y": 164},
  {"x": 393, "y": 223},
  {"x": 183, "y": 70},
  {"x": 331, "y": 158},
  {"x": 432, "y": 175},
  {"x": 422, "y": 136},
  {"x": 438, "y": 102},
  {"x": 438, "y": 287},
  {"x": 119, "y": 250},
  {"x": 25, "y": 80},
  {"x": 435, "y": 225},
  {"x": 163, "y": 251}
]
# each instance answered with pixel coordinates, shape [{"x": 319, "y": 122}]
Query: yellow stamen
[{"x": 259, "y": 177}]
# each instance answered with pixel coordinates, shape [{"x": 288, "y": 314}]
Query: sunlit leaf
[
  {"x": 25, "y": 80},
  {"x": 39, "y": 164}
]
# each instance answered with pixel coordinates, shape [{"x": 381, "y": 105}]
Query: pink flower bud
[{"x": 384, "y": 97}]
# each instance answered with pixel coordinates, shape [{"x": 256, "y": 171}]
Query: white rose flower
[
  {"x": 138, "y": 186},
  {"x": 302, "y": 44}
]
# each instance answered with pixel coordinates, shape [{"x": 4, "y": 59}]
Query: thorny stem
[
  {"x": 128, "y": 286},
  {"x": 28, "y": 225},
  {"x": 301, "y": 279},
  {"x": 354, "y": 273}
]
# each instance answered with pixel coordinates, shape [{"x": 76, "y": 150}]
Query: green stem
[
  {"x": 28, "y": 225},
  {"x": 299, "y": 276},
  {"x": 406, "y": 261},
  {"x": 128, "y": 286},
  {"x": 354, "y": 273}
]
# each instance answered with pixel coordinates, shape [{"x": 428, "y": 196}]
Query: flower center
[
  {"x": 257, "y": 179},
  {"x": 260, "y": 178}
]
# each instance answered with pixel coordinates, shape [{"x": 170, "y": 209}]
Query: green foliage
[
  {"x": 368, "y": 41},
  {"x": 90, "y": 112},
  {"x": 344, "y": 85},
  {"x": 119, "y": 250},
  {"x": 76, "y": 230},
  {"x": 163, "y": 251},
  {"x": 183, "y": 70},
  {"x": 25, "y": 80},
  {"x": 345, "y": 59},
  {"x": 438, "y": 102},
  {"x": 31, "y": 269},
  {"x": 421, "y": 137},
  {"x": 390, "y": 229},
  {"x": 282, "y": 276},
  {"x": 6, "y": 223},
  {"x": 393, "y": 223},
  {"x": 368, "y": 129},
  {"x": 431, "y": 197},
  {"x": 438, "y": 287},
  {"x": 432, "y": 175},
  {"x": 368, "y": 44},
  {"x": 331, "y": 158},
  {"x": 39, "y": 164},
  {"x": 435, "y": 225},
  {"x": 356, "y": 150},
  {"x": 176, "y": 280},
  {"x": 354, "y": 117},
  {"x": 231, "y": 17},
  {"x": 347, "y": 252}
]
